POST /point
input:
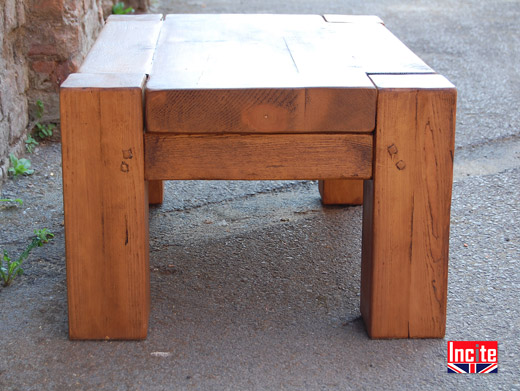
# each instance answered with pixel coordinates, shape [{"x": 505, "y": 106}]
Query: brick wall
[{"x": 42, "y": 42}]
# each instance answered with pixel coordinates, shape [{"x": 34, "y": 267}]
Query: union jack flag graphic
[
  {"x": 472, "y": 368},
  {"x": 472, "y": 357}
]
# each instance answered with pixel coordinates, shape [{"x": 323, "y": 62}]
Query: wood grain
[
  {"x": 257, "y": 157},
  {"x": 256, "y": 74},
  {"x": 261, "y": 110},
  {"x": 256, "y": 97},
  {"x": 406, "y": 214},
  {"x": 341, "y": 191},
  {"x": 125, "y": 45},
  {"x": 106, "y": 214}
]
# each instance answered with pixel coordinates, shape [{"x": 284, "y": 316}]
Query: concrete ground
[{"x": 255, "y": 285}]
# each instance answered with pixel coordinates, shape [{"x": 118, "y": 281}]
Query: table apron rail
[{"x": 258, "y": 157}]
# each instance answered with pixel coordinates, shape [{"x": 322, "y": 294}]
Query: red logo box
[{"x": 472, "y": 357}]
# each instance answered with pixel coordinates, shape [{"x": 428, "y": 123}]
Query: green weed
[
  {"x": 30, "y": 143},
  {"x": 19, "y": 166},
  {"x": 10, "y": 200},
  {"x": 10, "y": 269},
  {"x": 119, "y": 9},
  {"x": 44, "y": 130}
]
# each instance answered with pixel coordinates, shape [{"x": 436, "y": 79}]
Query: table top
[
  {"x": 251, "y": 51},
  {"x": 254, "y": 73}
]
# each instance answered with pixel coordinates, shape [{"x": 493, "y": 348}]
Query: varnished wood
[
  {"x": 333, "y": 18},
  {"x": 135, "y": 18},
  {"x": 103, "y": 80},
  {"x": 106, "y": 215},
  {"x": 341, "y": 191},
  {"x": 261, "y": 110},
  {"x": 414, "y": 81},
  {"x": 155, "y": 192},
  {"x": 125, "y": 45},
  {"x": 406, "y": 213},
  {"x": 257, "y": 97},
  {"x": 105, "y": 194},
  {"x": 256, "y": 74},
  {"x": 378, "y": 51},
  {"x": 257, "y": 157}
]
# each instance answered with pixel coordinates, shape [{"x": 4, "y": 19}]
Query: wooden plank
[
  {"x": 218, "y": 111},
  {"x": 155, "y": 192},
  {"x": 101, "y": 80},
  {"x": 134, "y": 18},
  {"x": 106, "y": 213},
  {"x": 232, "y": 27},
  {"x": 378, "y": 51},
  {"x": 125, "y": 45},
  {"x": 261, "y": 110},
  {"x": 340, "y": 110},
  {"x": 303, "y": 156},
  {"x": 415, "y": 82},
  {"x": 256, "y": 74},
  {"x": 341, "y": 191},
  {"x": 333, "y": 18},
  {"x": 407, "y": 209}
]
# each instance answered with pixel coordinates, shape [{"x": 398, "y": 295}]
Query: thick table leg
[
  {"x": 341, "y": 191},
  {"x": 406, "y": 213},
  {"x": 106, "y": 214},
  {"x": 155, "y": 192}
]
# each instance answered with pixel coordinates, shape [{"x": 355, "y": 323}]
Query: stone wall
[
  {"x": 58, "y": 36},
  {"x": 43, "y": 41},
  {"x": 13, "y": 81}
]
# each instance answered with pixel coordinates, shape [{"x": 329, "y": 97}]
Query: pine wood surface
[
  {"x": 341, "y": 191},
  {"x": 257, "y": 157},
  {"x": 155, "y": 192},
  {"x": 106, "y": 214},
  {"x": 334, "y": 18},
  {"x": 125, "y": 45},
  {"x": 336, "y": 98},
  {"x": 269, "y": 73},
  {"x": 406, "y": 212}
]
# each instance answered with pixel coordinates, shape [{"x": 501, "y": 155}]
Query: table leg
[
  {"x": 341, "y": 191},
  {"x": 406, "y": 212},
  {"x": 155, "y": 192},
  {"x": 106, "y": 214}
]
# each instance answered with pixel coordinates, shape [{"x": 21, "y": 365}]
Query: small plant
[
  {"x": 19, "y": 166},
  {"x": 44, "y": 131},
  {"x": 10, "y": 200},
  {"x": 10, "y": 269},
  {"x": 30, "y": 143},
  {"x": 119, "y": 9}
]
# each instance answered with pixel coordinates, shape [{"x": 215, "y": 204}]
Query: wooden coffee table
[{"x": 333, "y": 98}]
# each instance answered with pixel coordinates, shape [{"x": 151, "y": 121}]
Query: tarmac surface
[{"x": 255, "y": 285}]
